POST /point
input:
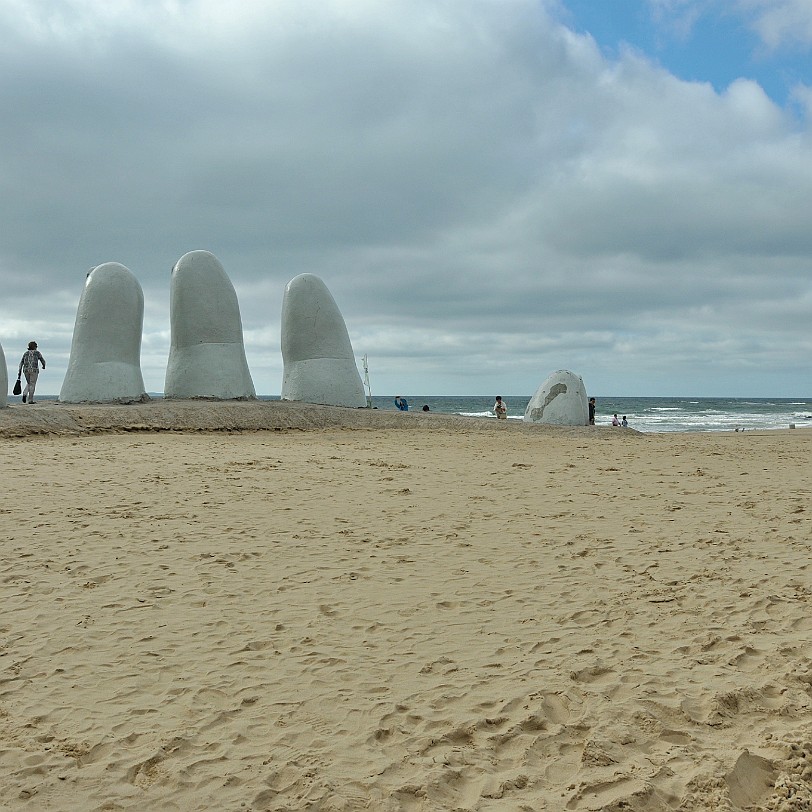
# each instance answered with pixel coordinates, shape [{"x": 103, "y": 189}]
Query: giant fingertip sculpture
[
  {"x": 105, "y": 353},
  {"x": 316, "y": 349},
  {"x": 560, "y": 401},
  {"x": 206, "y": 354},
  {"x": 3, "y": 379}
]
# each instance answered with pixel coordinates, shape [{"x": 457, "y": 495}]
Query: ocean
[{"x": 643, "y": 414}]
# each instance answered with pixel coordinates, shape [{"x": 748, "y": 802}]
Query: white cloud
[
  {"x": 679, "y": 16},
  {"x": 781, "y": 23},
  {"x": 778, "y": 23}
]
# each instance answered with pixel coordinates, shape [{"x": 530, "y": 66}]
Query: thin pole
[{"x": 366, "y": 383}]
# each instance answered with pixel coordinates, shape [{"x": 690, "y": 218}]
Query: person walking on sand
[
  {"x": 29, "y": 364},
  {"x": 615, "y": 421},
  {"x": 500, "y": 408},
  {"x": 592, "y": 411}
]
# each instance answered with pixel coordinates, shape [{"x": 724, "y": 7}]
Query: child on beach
[{"x": 500, "y": 408}]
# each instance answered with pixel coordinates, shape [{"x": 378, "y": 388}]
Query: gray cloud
[{"x": 487, "y": 197}]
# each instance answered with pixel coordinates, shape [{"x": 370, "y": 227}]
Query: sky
[{"x": 492, "y": 190}]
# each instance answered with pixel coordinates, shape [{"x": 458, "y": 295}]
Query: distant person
[
  {"x": 500, "y": 408},
  {"x": 624, "y": 423},
  {"x": 615, "y": 421},
  {"x": 426, "y": 407},
  {"x": 29, "y": 365},
  {"x": 592, "y": 411},
  {"x": 402, "y": 403}
]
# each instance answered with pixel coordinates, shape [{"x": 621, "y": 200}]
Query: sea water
[{"x": 644, "y": 414}]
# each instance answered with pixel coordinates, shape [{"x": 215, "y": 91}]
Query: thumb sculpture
[
  {"x": 316, "y": 349},
  {"x": 3, "y": 379},
  {"x": 207, "y": 353},
  {"x": 560, "y": 401},
  {"x": 105, "y": 353}
]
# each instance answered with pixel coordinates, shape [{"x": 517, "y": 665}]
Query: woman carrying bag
[{"x": 29, "y": 364}]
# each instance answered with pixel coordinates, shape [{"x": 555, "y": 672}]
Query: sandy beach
[{"x": 281, "y": 607}]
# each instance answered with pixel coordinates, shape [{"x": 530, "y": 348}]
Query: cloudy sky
[{"x": 491, "y": 189}]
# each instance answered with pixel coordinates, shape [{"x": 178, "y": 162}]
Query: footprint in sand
[
  {"x": 555, "y": 709},
  {"x": 606, "y": 794},
  {"x": 564, "y": 764},
  {"x": 747, "y": 660},
  {"x": 593, "y": 674},
  {"x": 675, "y": 737}
]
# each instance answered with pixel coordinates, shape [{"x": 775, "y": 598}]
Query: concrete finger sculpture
[
  {"x": 105, "y": 353},
  {"x": 207, "y": 353},
  {"x": 316, "y": 349},
  {"x": 3, "y": 379},
  {"x": 560, "y": 401}
]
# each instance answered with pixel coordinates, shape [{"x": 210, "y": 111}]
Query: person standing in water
[
  {"x": 29, "y": 365},
  {"x": 500, "y": 408}
]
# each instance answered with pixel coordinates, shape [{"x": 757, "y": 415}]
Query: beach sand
[{"x": 399, "y": 612}]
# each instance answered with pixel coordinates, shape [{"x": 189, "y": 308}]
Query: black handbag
[{"x": 18, "y": 387}]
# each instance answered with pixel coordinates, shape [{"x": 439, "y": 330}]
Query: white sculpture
[
  {"x": 561, "y": 400},
  {"x": 207, "y": 354},
  {"x": 105, "y": 354},
  {"x": 3, "y": 379},
  {"x": 316, "y": 349}
]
